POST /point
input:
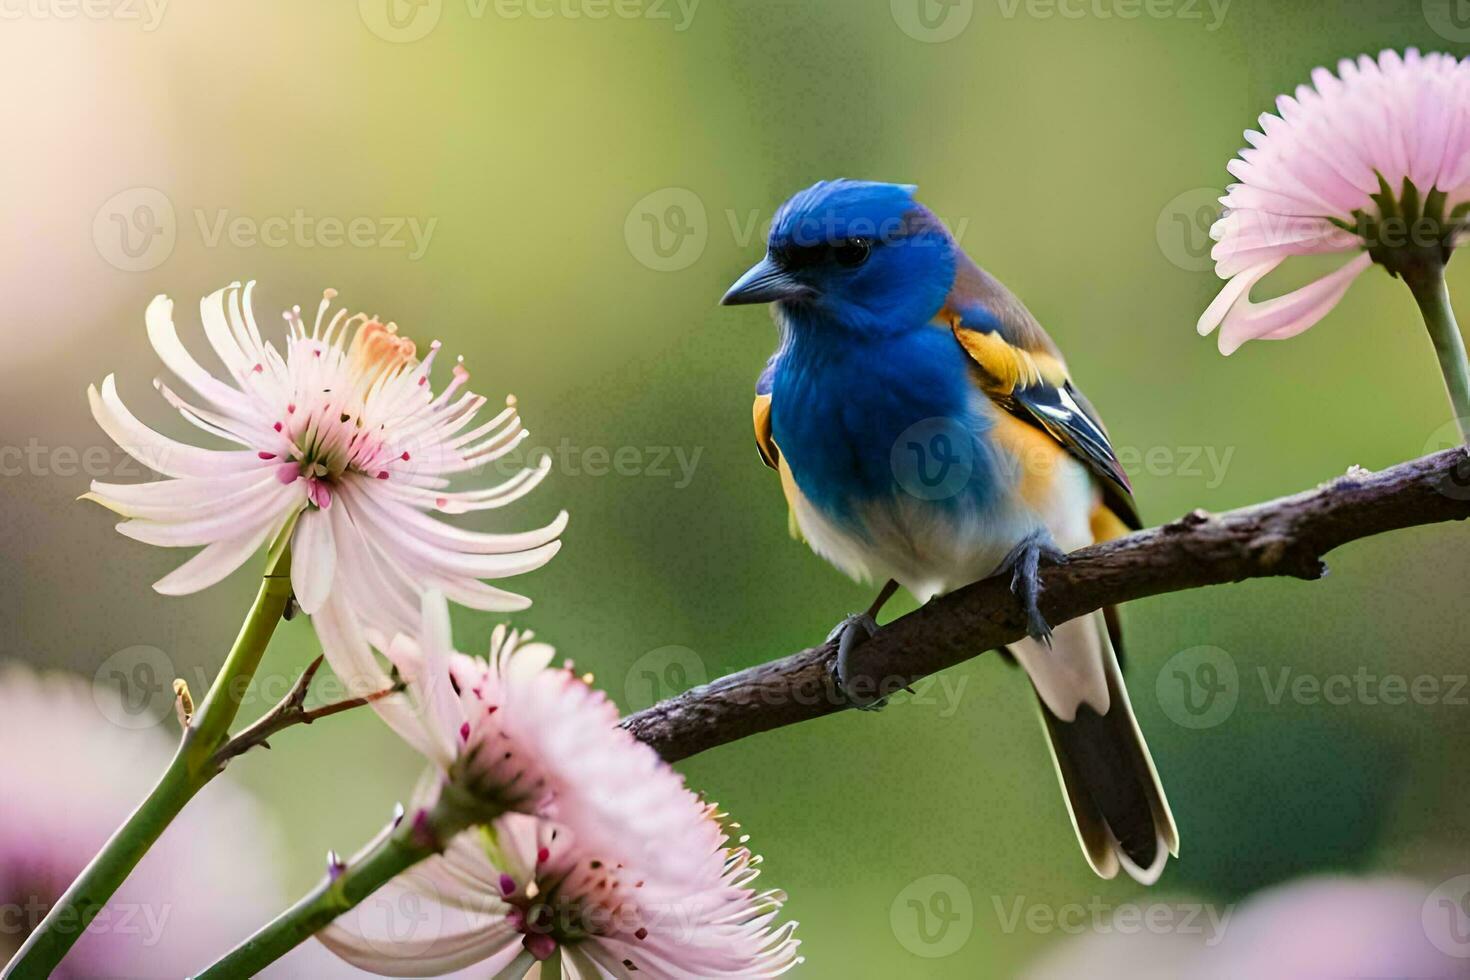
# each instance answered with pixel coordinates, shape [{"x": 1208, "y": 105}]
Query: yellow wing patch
[
  {"x": 764, "y": 441},
  {"x": 1003, "y": 367},
  {"x": 1106, "y": 525},
  {"x": 1034, "y": 385}
]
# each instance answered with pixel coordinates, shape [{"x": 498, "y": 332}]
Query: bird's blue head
[{"x": 865, "y": 256}]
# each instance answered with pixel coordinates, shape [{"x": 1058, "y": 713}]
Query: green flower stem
[
  {"x": 192, "y": 767},
  {"x": 517, "y": 968},
  {"x": 551, "y": 968},
  {"x": 1433, "y": 295},
  {"x": 415, "y": 838}
]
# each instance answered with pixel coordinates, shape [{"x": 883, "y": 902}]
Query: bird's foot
[
  {"x": 1024, "y": 564},
  {"x": 851, "y": 633}
]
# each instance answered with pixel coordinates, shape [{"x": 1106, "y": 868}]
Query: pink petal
[
  {"x": 1240, "y": 285},
  {"x": 243, "y": 432},
  {"x": 352, "y": 660},
  {"x": 407, "y": 714},
  {"x": 376, "y": 584},
  {"x": 1250, "y": 238},
  {"x": 222, "y": 336},
  {"x": 1289, "y": 315},
  {"x": 213, "y": 563},
  {"x": 386, "y": 510},
  {"x": 173, "y": 353},
  {"x": 156, "y": 451},
  {"x": 181, "y": 499},
  {"x": 488, "y": 498},
  {"x": 441, "y": 704},
  {"x": 267, "y": 505},
  {"x": 313, "y": 560},
  {"x": 400, "y": 933}
]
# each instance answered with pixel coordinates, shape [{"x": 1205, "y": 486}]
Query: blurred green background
[{"x": 584, "y": 189}]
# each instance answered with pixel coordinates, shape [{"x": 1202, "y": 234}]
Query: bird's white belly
[{"x": 931, "y": 549}]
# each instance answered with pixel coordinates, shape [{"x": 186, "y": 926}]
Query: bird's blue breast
[{"x": 856, "y": 418}]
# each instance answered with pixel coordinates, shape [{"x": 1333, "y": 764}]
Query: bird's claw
[
  {"x": 851, "y": 633},
  {"x": 1024, "y": 562}
]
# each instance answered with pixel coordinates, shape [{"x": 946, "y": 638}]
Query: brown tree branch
[
  {"x": 1285, "y": 537},
  {"x": 289, "y": 711}
]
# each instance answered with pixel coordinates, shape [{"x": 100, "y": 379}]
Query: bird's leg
[
  {"x": 1024, "y": 564},
  {"x": 850, "y": 634}
]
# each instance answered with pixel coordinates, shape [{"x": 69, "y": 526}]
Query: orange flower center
[{"x": 377, "y": 349}]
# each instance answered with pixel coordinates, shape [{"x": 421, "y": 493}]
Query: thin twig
[
  {"x": 1285, "y": 537},
  {"x": 290, "y": 711}
]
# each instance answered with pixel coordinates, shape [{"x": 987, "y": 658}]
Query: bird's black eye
[
  {"x": 853, "y": 252},
  {"x": 803, "y": 256}
]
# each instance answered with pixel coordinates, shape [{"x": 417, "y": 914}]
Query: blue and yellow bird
[{"x": 928, "y": 434}]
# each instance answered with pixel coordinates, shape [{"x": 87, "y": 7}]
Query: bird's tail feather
[{"x": 1117, "y": 803}]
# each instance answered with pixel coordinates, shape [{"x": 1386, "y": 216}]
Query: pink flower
[
  {"x": 527, "y": 884},
  {"x": 1333, "y": 927},
  {"x": 68, "y": 777},
  {"x": 342, "y": 434},
  {"x": 513, "y": 733},
  {"x": 1370, "y": 161},
  {"x": 1323, "y": 928},
  {"x": 588, "y": 842}
]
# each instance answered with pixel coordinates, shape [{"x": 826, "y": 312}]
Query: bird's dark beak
[{"x": 766, "y": 282}]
